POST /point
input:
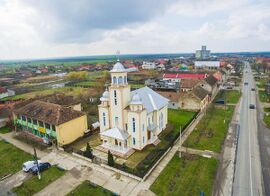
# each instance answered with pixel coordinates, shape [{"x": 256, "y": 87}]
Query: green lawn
[
  {"x": 11, "y": 158},
  {"x": 34, "y": 185},
  {"x": 263, "y": 96},
  {"x": 261, "y": 83},
  {"x": 267, "y": 120},
  {"x": 4, "y": 130},
  {"x": 211, "y": 131},
  {"x": 230, "y": 96},
  {"x": 87, "y": 188},
  {"x": 137, "y": 85},
  {"x": 186, "y": 176},
  {"x": 176, "y": 118}
]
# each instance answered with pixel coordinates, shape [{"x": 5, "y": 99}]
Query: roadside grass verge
[
  {"x": 230, "y": 96},
  {"x": 186, "y": 176},
  {"x": 267, "y": 120},
  {"x": 88, "y": 188},
  {"x": 11, "y": 158},
  {"x": 266, "y": 109},
  {"x": 4, "y": 130},
  {"x": 211, "y": 131},
  {"x": 34, "y": 185},
  {"x": 263, "y": 96},
  {"x": 176, "y": 118}
]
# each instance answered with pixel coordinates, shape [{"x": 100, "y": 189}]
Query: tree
[
  {"x": 88, "y": 152},
  {"x": 77, "y": 76},
  {"x": 110, "y": 159}
]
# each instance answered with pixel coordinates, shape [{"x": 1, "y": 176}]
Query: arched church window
[
  {"x": 114, "y": 80},
  {"x": 120, "y": 80},
  {"x": 125, "y": 79}
]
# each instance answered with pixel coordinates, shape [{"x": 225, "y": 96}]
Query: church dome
[
  {"x": 105, "y": 96},
  {"x": 118, "y": 67},
  {"x": 136, "y": 99}
]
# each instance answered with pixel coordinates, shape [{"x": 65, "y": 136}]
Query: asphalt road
[{"x": 248, "y": 173}]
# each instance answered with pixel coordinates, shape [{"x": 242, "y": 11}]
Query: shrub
[{"x": 110, "y": 159}]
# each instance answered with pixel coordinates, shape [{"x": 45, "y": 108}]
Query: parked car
[
  {"x": 251, "y": 106},
  {"x": 27, "y": 166},
  {"x": 252, "y": 89},
  {"x": 246, "y": 83},
  {"x": 41, "y": 167}
]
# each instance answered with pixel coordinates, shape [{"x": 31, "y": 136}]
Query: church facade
[{"x": 130, "y": 120}]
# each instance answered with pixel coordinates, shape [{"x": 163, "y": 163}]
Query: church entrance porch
[{"x": 115, "y": 140}]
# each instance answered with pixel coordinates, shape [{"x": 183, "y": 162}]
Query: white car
[{"x": 29, "y": 164}]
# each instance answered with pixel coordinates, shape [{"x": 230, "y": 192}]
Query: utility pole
[
  {"x": 36, "y": 160},
  {"x": 180, "y": 146}
]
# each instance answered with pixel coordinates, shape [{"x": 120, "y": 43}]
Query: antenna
[{"x": 118, "y": 55}]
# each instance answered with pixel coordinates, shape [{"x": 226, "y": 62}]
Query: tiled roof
[
  {"x": 150, "y": 99},
  {"x": 200, "y": 92},
  {"x": 211, "y": 80},
  {"x": 60, "y": 99},
  {"x": 186, "y": 75},
  {"x": 188, "y": 83},
  {"x": 171, "y": 95},
  {"x": 48, "y": 112}
]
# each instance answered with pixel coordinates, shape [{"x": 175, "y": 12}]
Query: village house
[
  {"x": 197, "y": 99},
  {"x": 48, "y": 122},
  {"x": 148, "y": 65},
  {"x": 188, "y": 84},
  {"x": 130, "y": 121},
  {"x": 209, "y": 84}
]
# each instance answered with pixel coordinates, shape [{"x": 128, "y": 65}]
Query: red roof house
[{"x": 184, "y": 76}]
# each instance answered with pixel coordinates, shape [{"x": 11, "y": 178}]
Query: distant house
[
  {"x": 197, "y": 99},
  {"x": 3, "y": 93},
  {"x": 49, "y": 122},
  {"x": 160, "y": 67},
  {"x": 148, "y": 65},
  {"x": 178, "y": 77},
  {"x": 188, "y": 84},
  {"x": 207, "y": 64}
]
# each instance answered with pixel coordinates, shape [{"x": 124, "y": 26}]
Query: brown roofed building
[
  {"x": 51, "y": 121},
  {"x": 197, "y": 99},
  {"x": 188, "y": 84},
  {"x": 210, "y": 84},
  {"x": 173, "y": 97}
]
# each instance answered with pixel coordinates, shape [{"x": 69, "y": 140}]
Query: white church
[{"x": 130, "y": 121}]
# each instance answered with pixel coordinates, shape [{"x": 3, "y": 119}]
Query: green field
[
  {"x": 186, "y": 176},
  {"x": 230, "y": 96},
  {"x": 4, "y": 130},
  {"x": 74, "y": 91},
  {"x": 176, "y": 118},
  {"x": 87, "y": 188},
  {"x": 267, "y": 120},
  {"x": 11, "y": 158},
  {"x": 34, "y": 185},
  {"x": 263, "y": 96},
  {"x": 211, "y": 131}
]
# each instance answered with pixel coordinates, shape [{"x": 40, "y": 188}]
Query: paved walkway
[{"x": 200, "y": 152}]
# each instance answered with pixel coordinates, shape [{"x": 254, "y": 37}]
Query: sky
[{"x": 60, "y": 28}]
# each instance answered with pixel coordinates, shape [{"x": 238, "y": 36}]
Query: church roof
[
  {"x": 150, "y": 99},
  {"x": 115, "y": 133},
  {"x": 118, "y": 67}
]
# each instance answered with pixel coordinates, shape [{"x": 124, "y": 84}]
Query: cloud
[{"x": 81, "y": 20}]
